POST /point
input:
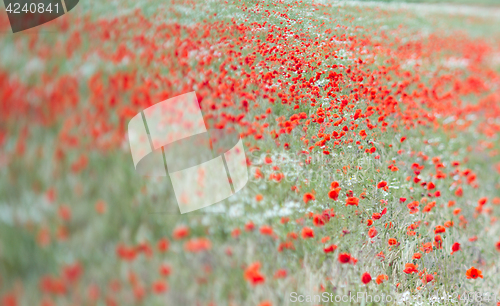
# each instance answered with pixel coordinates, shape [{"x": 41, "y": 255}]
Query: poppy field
[{"x": 372, "y": 144}]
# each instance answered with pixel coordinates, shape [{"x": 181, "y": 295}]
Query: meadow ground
[{"x": 372, "y": 141}]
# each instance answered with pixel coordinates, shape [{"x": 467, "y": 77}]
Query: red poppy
[
  {"x": 344, "y": 258},
  {"x": 438, "y": 241},
  {"x": 382, "y": 184},
  {"x": 308, "y": 197},
  {"x": 381, "y": 278},
  {"x": 455, "y": 247},
  {"x": 307, "y": 233},
  {"x": 330, "y": 248},
  {"x": 163, "y": 245},
  {"x": 473, "y": 273},
  {"x": 65, "y": 212},
  {"x": 426, "y": 247},
  {"x": 410, "y": 268},
  {"x": 319, "y": 220},
  {"x": 372, "y": 232},
  {"x": 334, "y": 194},
  {"x": 197, "y": 245},
  {"x": 250, "y": 226},
  {"x": 352, "y": 201},
  {"x": 482, "y": 201},
  {"x": 236, "y": 233},
  {"x": 165, "y": 270},
  {"x": 160, "y": 286},
  {"x": 100, "y": 206},
  {"x": 353, "y": 260},
  {"x": 181, "y": 232},
  {"x": 266, "y": 230},
  {"x": 392, "y": 241},
  {"x": 427, "y": 279},
  {"x": 252, "y": 274},
  {"x": 281, "y": 273},
  {"x": 366, "y": 278},
  {"x": 439, "y": 229}
]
